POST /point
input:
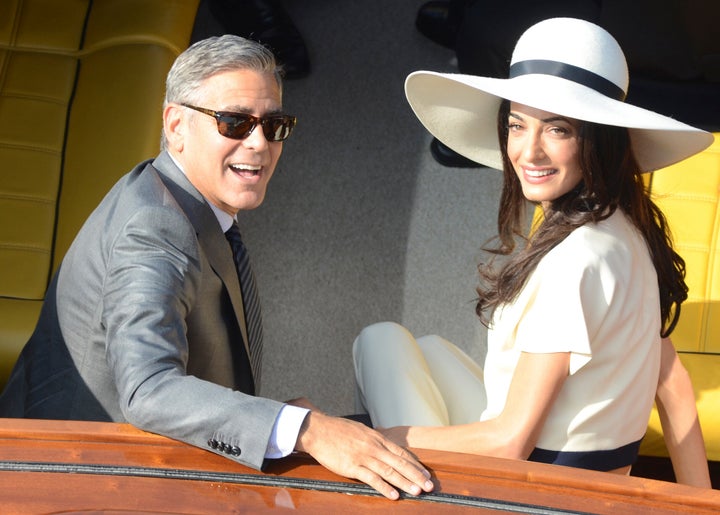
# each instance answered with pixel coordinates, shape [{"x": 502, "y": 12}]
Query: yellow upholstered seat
[
  {"x": 81, "y": 89},
  {"x": 689, "y": 195}
]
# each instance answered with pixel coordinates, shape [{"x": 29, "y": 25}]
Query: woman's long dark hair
[{"x": 611, "y": 180}]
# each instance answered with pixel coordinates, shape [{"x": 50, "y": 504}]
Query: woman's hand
[{"x": 397, "y": 434}]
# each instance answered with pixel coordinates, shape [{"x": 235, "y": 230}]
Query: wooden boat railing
[{"x": 49, "y": 466}]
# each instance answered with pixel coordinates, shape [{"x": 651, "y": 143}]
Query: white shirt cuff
[{"x": 285, "y": 431}]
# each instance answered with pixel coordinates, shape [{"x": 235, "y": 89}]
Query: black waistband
[
  {"x": 569, "y": 72},
  {"x": 593, "y": 460}
]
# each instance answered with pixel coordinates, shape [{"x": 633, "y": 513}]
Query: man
[{"x": 149, "y": 320}]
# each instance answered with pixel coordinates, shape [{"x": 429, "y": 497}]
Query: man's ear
[{"x": 175, "y": 126}]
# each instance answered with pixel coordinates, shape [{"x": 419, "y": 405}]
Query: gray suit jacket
[{"x": 144, "y": 323}]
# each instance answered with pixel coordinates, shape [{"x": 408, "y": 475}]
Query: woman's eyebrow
[
  {"x": 553, "y": 119},
  {"x": 550, "y": 119}
]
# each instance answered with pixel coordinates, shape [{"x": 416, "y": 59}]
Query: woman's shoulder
[
  {"x": 614, "y": 230},
  {"x": 613, "y": 238}
]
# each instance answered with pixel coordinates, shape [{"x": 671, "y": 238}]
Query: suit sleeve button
[
  {"x": 235, "y": 451},
  {"x": 213, "y": 443}
]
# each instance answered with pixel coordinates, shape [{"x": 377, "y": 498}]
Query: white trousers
[{"x": 421, "y": 382}]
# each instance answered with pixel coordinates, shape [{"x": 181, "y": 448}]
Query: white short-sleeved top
[{"x": 596, "y": 296}]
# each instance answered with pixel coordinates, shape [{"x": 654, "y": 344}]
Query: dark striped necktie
[{"x": 253, "y": 316}]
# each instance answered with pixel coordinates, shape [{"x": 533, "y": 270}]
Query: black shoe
[
  {"x": 267, "y": 22},
  {"x": 448, "y": 157},
  {"x": 439, "y": 21},
  {"x": 277, "y": 31}
]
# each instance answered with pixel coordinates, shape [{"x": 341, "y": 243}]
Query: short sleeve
[{"x": 566, "y": 302}]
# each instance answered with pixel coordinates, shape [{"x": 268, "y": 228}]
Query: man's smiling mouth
[{"x": 245, "y": 170}]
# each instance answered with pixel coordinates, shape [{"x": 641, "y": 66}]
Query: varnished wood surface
[{"x": 74, "y": 467}]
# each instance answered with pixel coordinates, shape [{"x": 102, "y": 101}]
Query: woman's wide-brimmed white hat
[{"x": 565, "y": 66}]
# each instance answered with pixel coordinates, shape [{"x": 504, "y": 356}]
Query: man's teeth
[
  {"x": 252, "y": 168},
  {"x": 246, "y": 170}
]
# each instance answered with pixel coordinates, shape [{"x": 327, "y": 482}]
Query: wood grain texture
[{"x": 49, "y": 466}]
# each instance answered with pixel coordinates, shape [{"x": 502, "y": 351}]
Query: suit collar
[
  {"x": 207, "y": 227},
  {"x": 224, "y": 219}
]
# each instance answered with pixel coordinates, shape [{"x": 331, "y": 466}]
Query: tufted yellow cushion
[
  {"x": 81, "y": 94},
  {"x": 35, "y": 95},
  {"x": 129, "y": 47},
  {"x": 689, "y": 195},
  {"x": 110, "y": 129},
  {"x": 43, "y": 25}
]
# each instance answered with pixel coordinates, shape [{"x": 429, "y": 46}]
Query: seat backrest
[
  {"x": 688, "y": 193},
  {"x": 80, "y": 96},
  {"x": 38, "y": 69},
  {"x": 81, "y": 91}
]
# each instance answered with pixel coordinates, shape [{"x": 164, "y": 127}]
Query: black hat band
[{"x": 569, "y": 72}]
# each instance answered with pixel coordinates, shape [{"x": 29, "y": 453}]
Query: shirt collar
[{"x": 224, "y": 219}]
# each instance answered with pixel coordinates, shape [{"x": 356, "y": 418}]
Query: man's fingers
[
  {"x": 390, "y": 466},
  {"x": 403, "y": 471},
  {"x": 353, "y": 450},
  {"x": 377, "y": 483}
]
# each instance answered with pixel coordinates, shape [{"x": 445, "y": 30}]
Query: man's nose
[{"x": 256, "y": 139}]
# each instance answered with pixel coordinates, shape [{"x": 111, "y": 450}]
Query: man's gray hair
[{"x": 209, "y": 57}]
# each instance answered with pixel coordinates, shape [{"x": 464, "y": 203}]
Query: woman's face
[{"x": 544, "y": 150}]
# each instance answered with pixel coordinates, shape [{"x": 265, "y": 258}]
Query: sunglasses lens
[
  {"x": 278, "y": 128},
  {"x": 239, "y": 126},
  {"x": 235, "y": 126}
]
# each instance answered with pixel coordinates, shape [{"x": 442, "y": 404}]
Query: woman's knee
[
  {"x": 384, "y": 335},
  {"x": 386, "y": 346},
  {"x": 436, "y": 347}
]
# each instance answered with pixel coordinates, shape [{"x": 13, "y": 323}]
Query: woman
[{"x": 577, "y": 313}]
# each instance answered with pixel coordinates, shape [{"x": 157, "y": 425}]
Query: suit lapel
[{"x": 210, "y": 236}]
